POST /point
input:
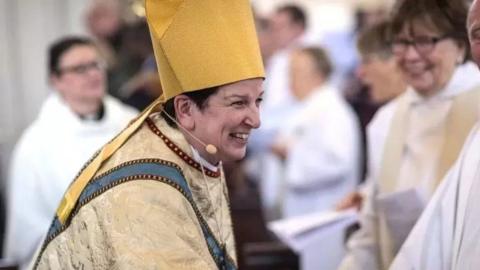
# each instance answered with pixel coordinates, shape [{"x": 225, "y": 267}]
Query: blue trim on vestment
[{"x": 136, "y": 170}]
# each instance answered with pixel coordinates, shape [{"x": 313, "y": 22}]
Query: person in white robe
[
  {"x": 416, "y": 137},
  {"x": 447, "y": 234},
  {"x": 379, "y": 71},
  {"x": 288, "y": 25},
  {"x": 75, "y": 120},
  {"x": 319, "y": 144}
]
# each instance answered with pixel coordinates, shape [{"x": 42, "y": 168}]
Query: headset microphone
[{"x": 210, "y": 148}]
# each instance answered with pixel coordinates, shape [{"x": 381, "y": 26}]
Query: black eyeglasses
[
  {"x": 82, "y": 69},
  {"x": 423, "y": 44}
]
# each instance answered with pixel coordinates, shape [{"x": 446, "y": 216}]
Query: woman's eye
[
  {"x": 475, "y": 35},
  {"x": 238, "y": 103}
]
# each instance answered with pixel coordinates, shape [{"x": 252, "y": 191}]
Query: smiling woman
[
  {"x": 414, "y": 140},
  {"x": 429, "y": 46},
  {"x": 157, "y": 191},
  {"x": 446, "y": 236},
  {"x": 226, "y": 120}
]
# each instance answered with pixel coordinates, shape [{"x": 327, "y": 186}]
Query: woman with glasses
[
  {"x": 419, "y": 134},
  {"x": 446, "y": 235}
]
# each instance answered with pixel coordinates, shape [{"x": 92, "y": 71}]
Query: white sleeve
[
  {"x": 26, "y": 218},
  {"x": 431, "y": 243}
]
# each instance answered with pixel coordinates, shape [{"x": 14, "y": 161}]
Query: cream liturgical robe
[
  {"x": 446, "y": 236},
  {"x": 413, "y": 142},
  {"x": 150, "y": 206}
]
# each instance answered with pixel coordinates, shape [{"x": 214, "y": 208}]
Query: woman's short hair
[
  {"x": 446, "y": 16},
  {"x": 376, "y": 40},
  {"x": 60, "y": 47},
  {"x": 321, "y": 59},
  {"x": 199, "y": 97}
]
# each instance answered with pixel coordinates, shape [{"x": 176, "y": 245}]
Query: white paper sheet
[{"x": 297, "y": 232}]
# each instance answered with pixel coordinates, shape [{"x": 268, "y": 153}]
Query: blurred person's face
[
  {"x": 284, "y": 31},
  {"x": 103, "y": 20},
  {"x": 426, "y": 57},
  {"x": 304, "y": 76},
  {"x": 226, "y": 121},
  {"x": 473, "y": 27},
  {"x": 265, "y": 40},
  {"x": 81, "y": 77},
  {"x": 374, "y": 16},
  {"x": 378, "y": 73}
]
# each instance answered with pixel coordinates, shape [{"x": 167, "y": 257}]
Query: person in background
[
  {"x": 265, "y": 38},
  {"x": 287, "y": 25},
  {"x": 124, "y": 40},
  {"x": 419, "y": 134},
  {"x": 378, "y": 68},
  {"x": 155, "y": 196},
  {"x": 103, "y": 20},
  {"x": 75, "y": 120},
  {"x": 319, "y": 144},
  {"x": 379, "y": 71},
  {"x": 446, "y": 235},
  {"x": 136, "y": 73}
]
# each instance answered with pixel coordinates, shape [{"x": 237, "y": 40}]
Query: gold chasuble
[{"x": 107, "y": 228}]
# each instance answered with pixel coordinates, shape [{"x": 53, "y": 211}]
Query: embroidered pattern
[{"x": 143, "y": 169}]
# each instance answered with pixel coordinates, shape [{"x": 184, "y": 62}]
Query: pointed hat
[{"x": 200, "y": 44}]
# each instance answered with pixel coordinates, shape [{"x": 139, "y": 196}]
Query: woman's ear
[{"x": 184, "y": 109}]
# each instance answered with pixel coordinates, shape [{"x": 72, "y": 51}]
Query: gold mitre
[{"x": 200, "y": 44}]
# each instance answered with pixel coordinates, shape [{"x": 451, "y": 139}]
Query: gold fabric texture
[{"x": 145, "y": 224}]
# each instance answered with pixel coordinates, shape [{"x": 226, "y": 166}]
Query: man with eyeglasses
[{"x": 75, "y": 120}]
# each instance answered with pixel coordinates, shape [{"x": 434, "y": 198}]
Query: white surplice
[
  {"x": 447, "y": 235},
  {"x": 389, "y": 214},
  {"x": 51, "y": 151}
]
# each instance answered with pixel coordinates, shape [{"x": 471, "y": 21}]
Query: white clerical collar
[
  {"x": 464, "y": 78},
  {"x": 202, "y": 161}
]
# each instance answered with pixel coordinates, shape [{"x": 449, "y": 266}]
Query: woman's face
[
  {"x": 304, "y": 75},
  {"x": 379, "y": 73},
  {"x": 228, "y": 118},
  {"x": 430, "y": 61}
]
